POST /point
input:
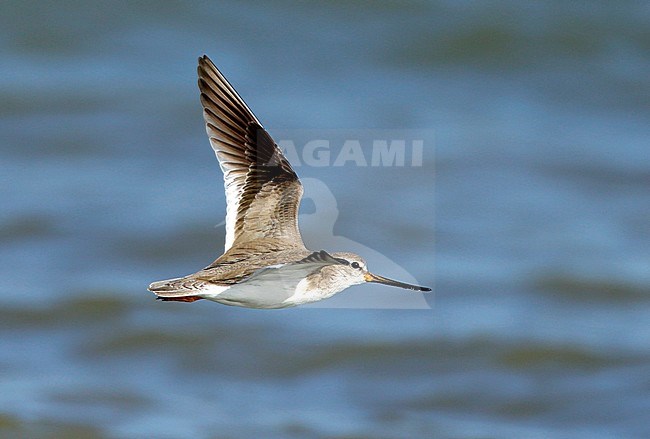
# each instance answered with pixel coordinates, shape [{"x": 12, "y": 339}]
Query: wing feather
[{"x": 262, "y": 191}]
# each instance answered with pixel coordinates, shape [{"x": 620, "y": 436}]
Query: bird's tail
[{"x": 178, "y": 290}]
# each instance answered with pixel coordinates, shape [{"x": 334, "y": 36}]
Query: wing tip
[
  {"x": 205, "y": 59},
  {"x": 205, "y": 65}
]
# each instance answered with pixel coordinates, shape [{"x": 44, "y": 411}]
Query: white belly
[{"x": 274, "y": 287}]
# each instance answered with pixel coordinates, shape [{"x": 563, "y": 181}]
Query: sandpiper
[{"x": 265, "y": 263}]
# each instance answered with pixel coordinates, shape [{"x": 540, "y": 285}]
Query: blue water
[{"x": 529, "y": 217}]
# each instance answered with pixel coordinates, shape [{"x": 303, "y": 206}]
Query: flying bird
[{"x": 265, "y": 263}]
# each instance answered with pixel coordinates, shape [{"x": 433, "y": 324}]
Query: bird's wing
[
  {"x": 322, "y": 258},
  {"x": 300, "y": 269},
  {"x": 262, "y": 191},
  {"x": 231, "y": 271}
]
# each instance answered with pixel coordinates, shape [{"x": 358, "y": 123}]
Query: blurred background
[{"x": 535, "y": 238}]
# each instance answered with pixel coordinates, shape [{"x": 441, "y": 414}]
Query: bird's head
[{"x": 353, "y": 268}]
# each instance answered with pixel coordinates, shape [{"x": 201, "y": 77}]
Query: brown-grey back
[{"x": 242, "y": 260}]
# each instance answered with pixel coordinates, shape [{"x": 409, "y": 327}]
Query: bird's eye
[{"x": 355, "y": 265}]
